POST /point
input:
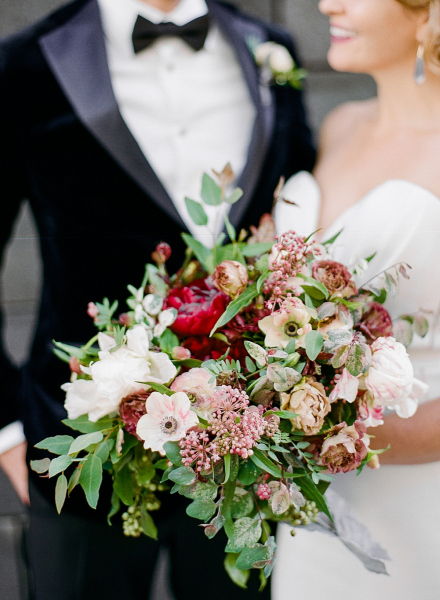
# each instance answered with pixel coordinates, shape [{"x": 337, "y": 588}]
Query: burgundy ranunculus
[
  {"x": 131, "y": 409},
  {"x": 376, "y": 322},
  {"x": 199, "y": 307},
  {"x": 336, "y": 278}
]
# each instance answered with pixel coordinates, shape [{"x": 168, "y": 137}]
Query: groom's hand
[{"x": 13, "y": 463}]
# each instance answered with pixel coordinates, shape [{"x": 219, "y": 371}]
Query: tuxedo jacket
[{"x": 98, "y": 205}]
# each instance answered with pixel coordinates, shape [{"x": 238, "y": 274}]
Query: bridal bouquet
[{"x": 242, "y": 382}]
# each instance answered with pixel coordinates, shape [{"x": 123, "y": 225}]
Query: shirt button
[
  {"x": 182, "y": 132},
  {"x": 170, "y": 67}
]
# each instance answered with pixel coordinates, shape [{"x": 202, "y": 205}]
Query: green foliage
[
  {"x": 147, "y": 524},
  {"x": 238, "y": 576},
  {"x": 115, "y": 507},
  {"x": 74, "y": 480},
  {"x": 253, "y": 557},
  {"x": 248, "y": 472},
  {"x": 246, "y": 532},
  {"x": 200, "y": 490},
  {"x": 314, "y": 342},
  {"x": 168, "y": 340},
  {"x": 202, "y": 509},
  {"x": 203, "y": 254},
  {"x": 91, "y": 479},
  {"x": 244, "y": 299},
  {"x": 242, "y": 503},
  {"x": 83, "y": 424},
  {"x": 158, "y": 387},
  {"x": 182, "y": 476},
  {"x": 257, "y": 249},
  {"x": 83, "y": 441},
  {"x": 172, "y": 450},
  {"x": 311, "y": 492},
  {"x": 60, "y": 492},
  {"x": 265, "y": 464},
  {"x": 59, "y": 464},
  {"x": 40, "y": 466},
  {"x": 234, "y": 196},
  {"x": 59, "y": 444},
  {"x": 196, "y": 212},
  {"x": 123, "y": 485},
  {"x": 211, "y": 192}
]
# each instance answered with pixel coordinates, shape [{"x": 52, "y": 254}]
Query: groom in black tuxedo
[{"x": 106, "y": 122}]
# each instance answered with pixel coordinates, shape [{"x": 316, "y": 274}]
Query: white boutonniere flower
[{"x": 276, "y": 64}]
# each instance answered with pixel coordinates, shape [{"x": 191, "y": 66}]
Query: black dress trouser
[{"x": 72, "y": 558}]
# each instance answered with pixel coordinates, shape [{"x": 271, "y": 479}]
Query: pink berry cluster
[
  {"x": 290, "y": 255},
  {"x": 234, "y": 428},
  {"x": 199, "y": 450},
  {"x": 263, "y": 491}
]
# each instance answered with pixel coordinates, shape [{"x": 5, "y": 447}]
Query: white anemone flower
[{"x": 168, "y": 419}]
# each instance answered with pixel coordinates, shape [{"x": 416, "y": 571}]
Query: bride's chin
[{"x": 343, "y": 61}]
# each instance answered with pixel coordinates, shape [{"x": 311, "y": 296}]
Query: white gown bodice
[{"x": 400, "y": 222}]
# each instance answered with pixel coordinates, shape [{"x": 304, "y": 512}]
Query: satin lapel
[
  {"x": 76, "y": 54},
  {"x": 240, "y": 32}
]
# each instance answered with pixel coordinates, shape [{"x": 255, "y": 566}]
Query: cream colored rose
[{"x": 309, "y": 401}]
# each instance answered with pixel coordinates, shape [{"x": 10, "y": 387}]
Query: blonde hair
[{"x": 432, "y": 44}]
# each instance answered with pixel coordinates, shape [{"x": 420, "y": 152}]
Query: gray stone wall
[{"x": 21, "y": 270}]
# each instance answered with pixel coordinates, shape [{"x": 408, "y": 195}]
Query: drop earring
[{"x": 419, "y": 72}]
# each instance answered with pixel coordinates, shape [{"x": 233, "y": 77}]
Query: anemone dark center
[
  {"x": 290, "y": 328},
  {"x": 168, "y": 425}
]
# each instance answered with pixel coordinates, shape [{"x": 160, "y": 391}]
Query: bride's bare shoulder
[{"x": 343, "y": 120}]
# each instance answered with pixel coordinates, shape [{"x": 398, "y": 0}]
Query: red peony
[
  {"x": 376, "y": 322},
  {"x": 204, "y": 348},
  {"x": 199, "y": 307}
]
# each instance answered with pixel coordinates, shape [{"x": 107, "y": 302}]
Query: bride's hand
[
  {"x": 413, "y": 441},
  {"x": 13, "y": 463}
]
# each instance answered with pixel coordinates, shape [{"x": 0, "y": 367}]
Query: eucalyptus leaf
[
  {"x": 59, "y": 464},
  {"x": 40, "y": 466},
  {"x": 91, "y": 479},
  {"x": 123, "y": 486},
  {"x": 84, "y": 425},
  {"x": 211, "y": 192},
  {"x": 60, "y": 492},
  {"x": 83, "y": 441},
  {"x": 59, "y": 444},
  {"x": 196, "y": 212},
  {"x": 257, "y": 248},
  {"x": 234, "y": 196},
  {"x": 202, "y": 253},
  {"x": 421, "y": 324}
]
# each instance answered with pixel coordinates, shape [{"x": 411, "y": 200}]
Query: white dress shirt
[{"x": 190, "y": 112}]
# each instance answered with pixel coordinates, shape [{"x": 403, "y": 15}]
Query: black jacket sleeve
[{"x": 12, "y": 191}]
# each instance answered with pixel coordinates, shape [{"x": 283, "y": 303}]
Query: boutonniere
[{"x": 276, "y": 64}]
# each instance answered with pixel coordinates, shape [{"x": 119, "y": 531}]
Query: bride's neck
[{"x": 403, "y": 102}]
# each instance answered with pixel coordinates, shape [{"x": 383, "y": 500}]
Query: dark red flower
[
  {"x": 204, "y": 348},
  {"x": 376, "y": 322},
  {"x": 199, "y": 307},
  {"x": 131, "y": 409}
]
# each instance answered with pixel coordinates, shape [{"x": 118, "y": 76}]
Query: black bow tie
[{"x": 193, "y": 33}]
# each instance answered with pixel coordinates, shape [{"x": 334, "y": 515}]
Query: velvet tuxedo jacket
[{"x": 99, "y": 207}]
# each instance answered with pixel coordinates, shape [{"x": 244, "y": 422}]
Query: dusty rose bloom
[
  {"x": 131, "y": 409},
  {"x": 181, "y": 353},
  {"x": 309, "y": 401},
  {"x": 346, "y": 450},
  {"x": 75, "y": 365},
  {"x": 376, "y": 322},
  {"x": 230, "y": 277},
  {"x": 92, "y": 310},
  {"x": 336, "y": 278}
]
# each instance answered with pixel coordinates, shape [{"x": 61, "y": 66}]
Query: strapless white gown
[{"x": 400, "y": 505}]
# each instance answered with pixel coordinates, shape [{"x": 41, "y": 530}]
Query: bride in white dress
[{"x": 378, "y": 179}]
